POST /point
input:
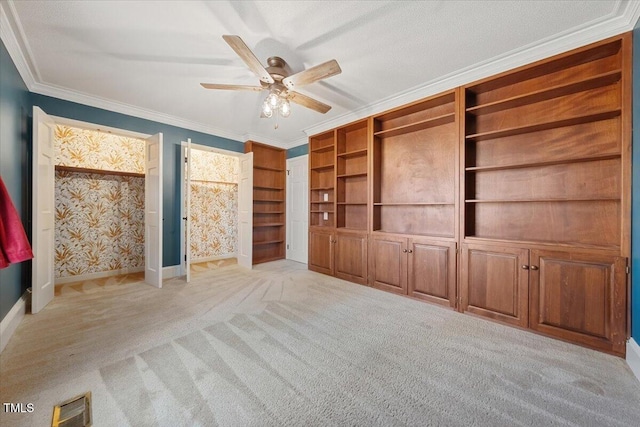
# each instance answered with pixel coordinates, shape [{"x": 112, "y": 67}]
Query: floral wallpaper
[
  {"x": 99, "y": 223},
  {"x": 214, "y": 204},
  {"x": 92, "y": 149}
]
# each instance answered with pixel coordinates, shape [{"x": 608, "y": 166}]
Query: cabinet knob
[
  {"x": 410, "y": 251},
  {"x": 525, "y": 267},
  {"x": 404, "y": 250},
  {"x": 534, "y": 267}
]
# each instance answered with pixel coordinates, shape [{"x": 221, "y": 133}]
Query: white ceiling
[{"x": 148, "y": 58}]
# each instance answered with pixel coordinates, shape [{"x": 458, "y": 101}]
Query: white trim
[
  {"x": 633, "y": 357},
  {"x": 98, "y": 275},
  {"x": 171, "y": 271},
  {"x": 11, "y": 42},
  {"x": 201, "y": 147},
  {"x": 10, "y": 322}
]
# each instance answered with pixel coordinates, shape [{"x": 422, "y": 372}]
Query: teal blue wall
[
  {"x": 635, "y": 197},
  {"x": 15, "y": 144},
  {"x": 15, "y": 137},
  {"x": 300, "y": 150}
]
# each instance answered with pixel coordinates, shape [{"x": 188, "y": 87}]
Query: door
[
  {"x": 351, "y": 257},
  {"x": 298, "y": 208},
  {"x": 431, "y": 271},
  {"x": 388, "y": 263},
  {"x": 579, "y": 297},
  {"x": 153, "y": 211},
  {"x": 495, "y": 282},
  {"x": 42, "y": 234},
  {"x": 187, "y": 211},
  {"x": 245, "y": 211},
  {"x": 321, "y": 251}
]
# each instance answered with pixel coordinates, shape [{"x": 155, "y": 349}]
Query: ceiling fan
[{"x": 279, "y": 81}]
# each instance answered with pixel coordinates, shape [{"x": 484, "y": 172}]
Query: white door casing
[
  {"x": 245, "y": 211},
  {"x": 298, "y": 208},
  {"x": 187, "y": 213},
  {"x": 153, "y": 211},
  {"x": 43, "y": 188}
]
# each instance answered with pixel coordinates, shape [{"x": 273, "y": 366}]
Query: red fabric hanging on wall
[{"x": 14, "y": 245}]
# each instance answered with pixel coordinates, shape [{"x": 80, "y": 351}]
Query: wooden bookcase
[
  {"x": 507, "y": 198},
  {"x": 415, "y": 198},
  {"x": 546, "y": 185},
  {"x": 269, "y": 198}
]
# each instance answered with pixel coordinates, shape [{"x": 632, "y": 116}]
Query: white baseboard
[
  {"x": 213, "y": 258},
  {"x": 99, "y": 275},
  {"x": 171, "y": 271},
  {"x": 633, "y": 357},
  {"x": 11, "y": 321}
]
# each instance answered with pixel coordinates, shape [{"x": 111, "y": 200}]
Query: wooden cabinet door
[
  {"x": 579, "y": 297},
  {"x": 494, "y": 284},
  {"x": 321, "y": 251},
  {"x": 431, "y": 271},
  {"x": 388, "y": 263},
  {"x": 351, "y": 257}
]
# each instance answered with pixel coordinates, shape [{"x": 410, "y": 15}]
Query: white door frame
[
  {"x": 36, "y": 294},
  {"x": 298, "y": 248},
  {"x": 184, "y": 262}
]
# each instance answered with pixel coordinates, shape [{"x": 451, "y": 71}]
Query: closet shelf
[
  {"x": 213, "y": 182},
  {"x": 268, "y": 168},
  {"x": 97, "y": 171},
  {"x": 519, "y": 130},
  {"x": 267, "y": 242},
  {"x": 414, "y": 127},
  {"x": 268, "y": 224},
  {"x": 541, "y": 164},
  {"x": 352, "y": 175},
  {"x": 323, "y": 167},
  {"x": 268, "y": 200},
  {"x": 324, "y": 149},
  {"x": 546, "y": 94}
]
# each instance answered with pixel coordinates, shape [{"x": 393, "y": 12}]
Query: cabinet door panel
[
  {"x": 432, "y": 271},
  {"x": 579, "y": 297},
  {"x": 388, "y": 262},
  {"x": 351, "y": 257},
  {"x": 321, "y": 252},
  {"x": 494, "y": 284}
]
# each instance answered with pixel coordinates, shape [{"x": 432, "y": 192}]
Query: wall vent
[{"x": 75, "y": 412}]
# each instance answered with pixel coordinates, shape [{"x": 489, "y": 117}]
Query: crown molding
[
  {"x": 11, "y": 42},
  {"x": 590, "y": 32}
]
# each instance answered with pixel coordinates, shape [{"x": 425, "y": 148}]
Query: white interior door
[
  {"x": 245, "y": 211},
  {"x": 42, "y": 281},
  {"x": 298, "y": 208},
  {"x": 153, "y": 211},
  {"x": 187, "y": 209}
]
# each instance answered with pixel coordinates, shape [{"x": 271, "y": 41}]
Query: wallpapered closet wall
[
  {"x": 214, "y": 205},
  {"x": 99, "y": 221}
]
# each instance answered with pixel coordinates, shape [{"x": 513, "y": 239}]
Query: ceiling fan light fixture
[
  {"x": 284, "y": 108},
  {"x": 266, "y": 108}
]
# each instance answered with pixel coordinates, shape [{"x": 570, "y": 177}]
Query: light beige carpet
[{"x": 281, "y": 345}]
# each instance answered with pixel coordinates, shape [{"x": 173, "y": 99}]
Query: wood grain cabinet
[
  {"x": 351, "y": 256},
  {"x": 416, "y": 266},
  {"x": 321, "y": 252}
]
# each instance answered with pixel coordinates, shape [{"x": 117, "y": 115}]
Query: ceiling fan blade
[
  {"x": 308, "y": 102},
  {"x": 313, "y": 74},
  {"x": 248, "y": 57},
  {"x": 231, "y": 87}
]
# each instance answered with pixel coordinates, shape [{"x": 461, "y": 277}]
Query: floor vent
[{"x": 75, "y": 412}]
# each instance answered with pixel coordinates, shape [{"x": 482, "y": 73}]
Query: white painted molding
[
  {"x": 171, "y": 271},
  {"x": 625, "y": 16},
  {"x": 633, "y": 357},
  {"x": 11, "y": 321},
  {"x": 99, "y": 275}
]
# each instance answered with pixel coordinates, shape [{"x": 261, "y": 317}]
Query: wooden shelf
[
  {"x": 321, "y": 203},
  {"x": 354, "y": 153},
  {"x": 414, "y": 127},
  {"x": 352, "y": 203},
  {"x": 315, "y": 211},
  {"x": 519, "y": 130},
  {"x": 321, "y": 188},
  {"x": 415, "y": 204},
  {"x": 322, "y": 149},
  {"x": 268, "y": 213},
  {"x": 268, "y": 224},
  {"x": 549, "y": 93},
  {"x": 352, "y": 175},
  {"x": 97, "y": 171},
  {"x": 541, "y": 164},
  {"x": 573, "y": 199},
  {"x": 268, "y": 242},
  {"x": 525, "y": 243},
  {"x": 266, "y": 187},
  {"x": 323, "y": 167},
  {"x": 268, "y": 200}
]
